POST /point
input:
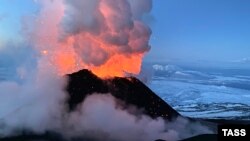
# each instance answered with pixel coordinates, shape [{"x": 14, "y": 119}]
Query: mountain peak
[{"x": 129, "y": 90}]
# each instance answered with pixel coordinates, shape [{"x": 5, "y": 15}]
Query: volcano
[{"x": 128, "y": 90}]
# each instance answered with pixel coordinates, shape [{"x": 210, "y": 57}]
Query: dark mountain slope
[{"x": 129, "y": 90}]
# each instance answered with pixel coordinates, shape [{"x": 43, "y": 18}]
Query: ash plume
[{"x": 94, "y": 34}]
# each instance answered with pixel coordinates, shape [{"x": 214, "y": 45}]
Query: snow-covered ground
[{"x": 201, "y": 94}]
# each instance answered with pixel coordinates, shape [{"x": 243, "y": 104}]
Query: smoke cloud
[
  {"x": 100, "y": 114},
  {"x": 98, "y": 117},
  {"x": 94, "y": 34}
]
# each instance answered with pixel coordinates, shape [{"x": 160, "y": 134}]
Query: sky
[
  {"x": 11, "y": 14},
  {"x": 194, "y": 30},
  {"x": 210, "y": 30}
]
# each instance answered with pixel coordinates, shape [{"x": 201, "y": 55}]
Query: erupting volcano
[
  {"x": 79, "y": 87},
  {"x": 107, "y": 37}
]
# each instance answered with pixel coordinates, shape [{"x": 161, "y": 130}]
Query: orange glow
[
  {"x": 65, "y": 63},
  {"x": 119, "y": 65},
  {"x": 63, "y": 55}
]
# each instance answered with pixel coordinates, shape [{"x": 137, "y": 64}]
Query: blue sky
[
  {"x": 211, "y": 30},
  {"x": 12, "y": 12}
]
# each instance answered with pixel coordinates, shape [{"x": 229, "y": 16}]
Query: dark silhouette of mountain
[{"x": 129, "y": 90}]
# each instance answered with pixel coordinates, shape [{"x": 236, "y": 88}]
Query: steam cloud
[
  {"x": 89, "y": 34},
  {"x": 99, "y": 118}
]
